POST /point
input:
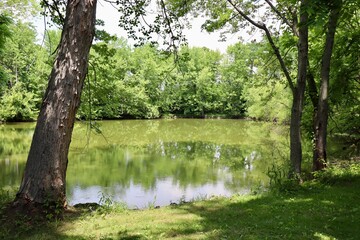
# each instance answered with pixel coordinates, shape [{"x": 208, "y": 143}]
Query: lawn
[{"x": 326, "y": 208}]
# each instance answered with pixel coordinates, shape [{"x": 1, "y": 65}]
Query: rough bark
[
  {"x": 44, "y": 179},
  {"x": 322, "y": 113},
  {"x": 298, "y": 93}
]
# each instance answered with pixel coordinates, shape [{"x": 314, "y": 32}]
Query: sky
[{"x": 195, "y": 36}]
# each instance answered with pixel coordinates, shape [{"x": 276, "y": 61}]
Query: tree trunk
[
  {"x": 295, "y": 134},
  {"x": 298, "y": 90},
  {"x": 44, "y": 179},
  {"x": 298, "y": 94},
  {"x": 322, "y": 113}
]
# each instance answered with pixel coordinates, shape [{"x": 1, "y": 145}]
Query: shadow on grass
[
  {"x": 25, "y": 227},
  {"x": 332, "y": 212},
  {"x": 16, "y": 225},
  {"x": 313, "y": 212}
]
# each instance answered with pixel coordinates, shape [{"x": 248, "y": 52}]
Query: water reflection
[
  {"x": 158, "y": 161},
  {"x": 164, "y": 161},
  {"x": 15, "y": 142}
]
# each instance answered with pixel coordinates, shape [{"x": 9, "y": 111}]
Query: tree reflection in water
[{"x": 140, "y": 161}]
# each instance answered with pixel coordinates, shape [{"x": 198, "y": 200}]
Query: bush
[{"x": 339, "y": 173}]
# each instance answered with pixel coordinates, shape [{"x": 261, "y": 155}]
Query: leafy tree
[
  {"x": 24, "y": 68},
  {"x": 100, "y": 96},
  {"x": 235, "y": 15},
  {"x": 5, "y": 33},
  {"x": 321, "y": 110},
  {"x": 344, "y": 82},
  {"x": 45, "y": 171},
  {"x": 254, "y": 84},
  {"x": 18, "y": 104},
  {"x": 44, "y": 179},
  {"x": 295, "y": 19},
  {"x": 19, "y": 10},
  {"x": 199, "y": 86}
]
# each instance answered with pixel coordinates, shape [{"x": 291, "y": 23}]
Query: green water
[{"x": 156, "y": 162}]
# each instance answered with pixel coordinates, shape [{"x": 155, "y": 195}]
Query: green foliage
[
  {"x": 163, "y": 26},
  {"x": 199, "y": 88},
  {"x": 280, "y": 181},
  {"x": 5, "y": 31},
  {"x": 344, "y": 98},
  {"x": 269, "y": 102},
  {"x": 105, "y": 202},
  {"x": 341, "y": 173},
  {"x": 107, "y": 205},
  {"x": 145, "y": 82},
  {"x": 52, "y": 209},
  {"x": 24, "y": 75},
  {"x": 6, "y": 196},
  {"x": 345, "y": 85},
  {"x": 20, "y": 10},
  {"x": 255, "y": 84},
  {"x": 18, "y": 104}
]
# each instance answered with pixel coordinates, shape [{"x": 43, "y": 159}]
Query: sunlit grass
[{"x": 318, "y": 210}]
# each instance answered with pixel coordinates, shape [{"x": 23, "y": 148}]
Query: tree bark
[
  {"x": 44, "y": 179},
  {"x": 299, "y": 93},
  {"x": 322, "y": 113}
]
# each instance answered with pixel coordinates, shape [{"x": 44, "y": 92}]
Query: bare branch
[{"x": 258, "y": 25}]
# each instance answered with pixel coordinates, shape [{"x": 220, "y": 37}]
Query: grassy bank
[{"x": 327, "y": 208}]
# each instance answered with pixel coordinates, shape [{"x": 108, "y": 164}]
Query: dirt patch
[{"x": 17, "y": 218}]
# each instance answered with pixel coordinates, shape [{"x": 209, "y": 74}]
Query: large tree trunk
[
  {"x": 298, "y": 94},
  {"x": 45, "y": 172},
  {"x": 322, "y": 113}
]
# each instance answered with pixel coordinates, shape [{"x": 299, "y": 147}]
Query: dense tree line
[
  {"x": 145, "y": 82},
  {"x": 307, "y": 31}
]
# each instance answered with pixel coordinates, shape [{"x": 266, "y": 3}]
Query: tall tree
[
  {"x": 294, "y": 17},
  {"x": 22, "y": 81},
  {"x": 45, "y": 172},
  {"x": 322, "y": 107},
  {"x": 298, "y": 89}
]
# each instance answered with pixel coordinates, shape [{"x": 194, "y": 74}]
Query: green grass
[{"x": 328, "y": 208}]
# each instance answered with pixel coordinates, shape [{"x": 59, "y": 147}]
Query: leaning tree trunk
[
  {"x": 45, "y": 172},
  {"x": 322, "y": 113}
]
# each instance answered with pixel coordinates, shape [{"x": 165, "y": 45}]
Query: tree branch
[
  {"x": 167, "y": 19},
  {"x": 286, "y": 21},
  {"x": 54, "y": 8},
  {"x": 272, "y": 44}
]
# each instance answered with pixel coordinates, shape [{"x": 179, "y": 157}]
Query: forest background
[{"x": 145, "y": 82}]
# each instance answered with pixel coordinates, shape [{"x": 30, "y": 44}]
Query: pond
[{"x": 156, "y": 162}]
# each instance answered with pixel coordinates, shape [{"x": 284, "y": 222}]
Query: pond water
[{"x": 156, "y": 162}]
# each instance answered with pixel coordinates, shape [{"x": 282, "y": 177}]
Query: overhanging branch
[{"x": 263, "y": 27}]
